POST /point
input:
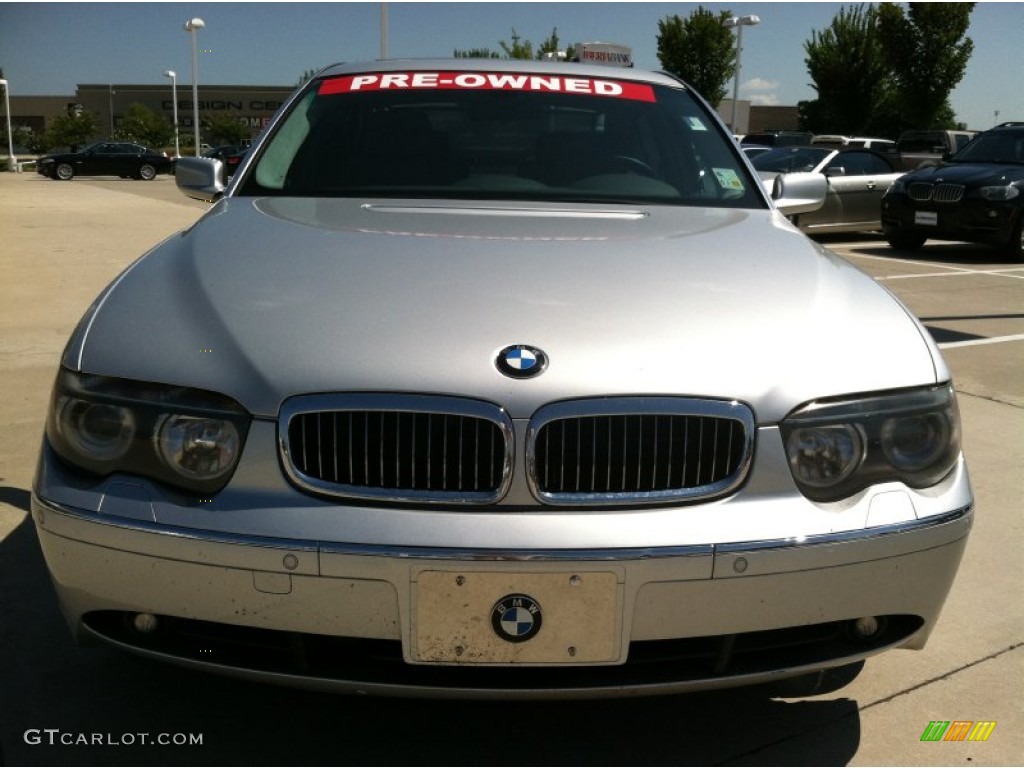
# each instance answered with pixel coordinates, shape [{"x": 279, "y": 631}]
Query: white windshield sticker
[{"x": 728, "y": 179}]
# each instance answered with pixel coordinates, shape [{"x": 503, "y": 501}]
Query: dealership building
[{"x": 252, "y": 105}]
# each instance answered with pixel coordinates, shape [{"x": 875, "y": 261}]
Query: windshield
[
  {"x": 791, "y": 159},
  {"x": 487, "y": 135},
  {"x": 993, "y": 147}
]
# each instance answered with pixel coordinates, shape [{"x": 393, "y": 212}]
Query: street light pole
[
  {"x": 12, "y": 162},
  {"x": 174, "y": 94},
  {"x": 739, "y": 22},
  {"x": 193, "y": 26}
]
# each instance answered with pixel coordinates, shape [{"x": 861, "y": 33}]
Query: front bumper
[
  {"x": 350, "y": 617},
  {"x": 970, "y": 220}
]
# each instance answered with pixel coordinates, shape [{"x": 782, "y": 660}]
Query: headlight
[
  {"x": 837, "y": 448},
  {"x": 95, "y": 429},
  {"x": 184, "y": 437},
  {"x": 199, "y": 448},
  {"x": 898, "y": 187},
  {"x": 1000, "y": 193}
]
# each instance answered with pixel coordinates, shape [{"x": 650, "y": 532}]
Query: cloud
[{"x": 759, "y": 92}]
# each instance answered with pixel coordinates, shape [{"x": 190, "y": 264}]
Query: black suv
[{"x": 976, "y": 195}]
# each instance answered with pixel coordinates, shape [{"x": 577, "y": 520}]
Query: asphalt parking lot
[{"x": 61, "y": 705}]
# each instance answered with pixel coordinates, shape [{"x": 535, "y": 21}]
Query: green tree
[
  {"x": 520, "y": 49},
  {"x": 222, "y": 129},
  {"x": 517, "y": 49},
  {"x": 850, "y": 75},
  {"x": 476, "y": 53},
  {"x": 550, "y": 45},
  {"x": 699, "y": 50},
  {"x": 144, "y": 126},
  {"x": 72, "y": 130},
  {"x": 927, "y": 51},
  {"x": 36, "y": 142}
]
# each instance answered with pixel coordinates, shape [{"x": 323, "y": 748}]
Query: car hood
[
  {"x": 969, "y": 174},
  {"x": 273, "y": 297}
]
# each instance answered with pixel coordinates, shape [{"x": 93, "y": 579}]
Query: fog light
[
  {"x": 145, "y": 623},
  {"x": 865, "y": 628}
]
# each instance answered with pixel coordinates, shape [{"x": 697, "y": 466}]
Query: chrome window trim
[
  {"x": 396, "y": 403},
  {"x": 640, "y": 406}
]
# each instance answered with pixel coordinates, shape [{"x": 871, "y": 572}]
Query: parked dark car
[
  {"x": 975, "y": 195},
  {"x": 778, "y": 138},
  {"x": 231, "y": 155},
  {"x": 753, "y": 150},
  {"x": 106, "y": 158}
]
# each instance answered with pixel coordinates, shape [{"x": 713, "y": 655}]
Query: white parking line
[
  {"x": 948, "y": 270},
  {"x": 999, "y": 272},
  {"x": 977, "y": 342},
  {"x": 915, "y": 262}
]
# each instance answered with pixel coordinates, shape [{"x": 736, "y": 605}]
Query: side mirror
[
  {"x": 836, "y": 170},
  {"x": 795, "y": 193},
  {"x": 200, "y": 178}
]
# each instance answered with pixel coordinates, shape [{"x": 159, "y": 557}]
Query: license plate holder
[
  {"x": 926, "y": 218},
  {"x": 502, "y": 618}
]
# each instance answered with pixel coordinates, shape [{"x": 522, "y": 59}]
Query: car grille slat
[
  {"x": 394, "y": 448},
  {"x": 924, "y": 192},
  {"x": 658, "y": 449},
  {"x": 608, "y": 451}
]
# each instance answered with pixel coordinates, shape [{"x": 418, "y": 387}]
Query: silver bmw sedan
[{"x": 500, "y": 379}]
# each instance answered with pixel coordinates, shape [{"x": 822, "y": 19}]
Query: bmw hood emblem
[
  {"x": 521, "y": 361},
  {"x": 516, "y": 618}
]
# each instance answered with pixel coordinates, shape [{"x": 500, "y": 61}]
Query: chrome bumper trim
[
  {"x": 848, "y": 536},
  {"x": 42, "y": 507}
]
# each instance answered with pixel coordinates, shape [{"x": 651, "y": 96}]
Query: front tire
[
  {"x": 64, "y": 172},
  {"x": 906, "y": 241},
  {"x": 147, "y": 172}
]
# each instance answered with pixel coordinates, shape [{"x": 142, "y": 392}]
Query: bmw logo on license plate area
[
  {"x": 521, "y": 361},
  {"x": 516, "y": 618}
]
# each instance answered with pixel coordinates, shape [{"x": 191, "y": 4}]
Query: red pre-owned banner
[{"x": 482, "y": 81}]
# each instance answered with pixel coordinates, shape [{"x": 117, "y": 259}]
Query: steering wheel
[{"x": 636, "y": 165}]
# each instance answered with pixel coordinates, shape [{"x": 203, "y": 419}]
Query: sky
[{"x": 47, "y": 49}]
